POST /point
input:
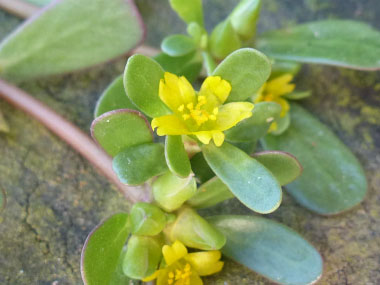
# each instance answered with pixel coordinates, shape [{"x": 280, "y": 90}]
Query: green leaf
[
  {"x": 102, "y": 249},
  {"x": 171, "y": 191},
  {"x": 284, "y": 166},
  {"x": 332, "y": 181},
  {"x": 210, "y": 193},
  {"x": 224, "y": 40},
  {"x": 248, "y": 180},
  {"x": 201, "y": 169},
  {"x": 188, "y": 65},
  {"x": 113, "y": 98},
  {"x": 146, "y": 219},
  {"x": 208, "y": 62},
  {"x": 142, "y": 257},
  {"x": 281, "y": 67},
  {"x": 335, "y": 42},
  {"x": 269, "y": 248},
  {"x": 255, "y": 127},
  {"x": 194, "y": 231},
  {"x": 297, "y": 95},
  {"x": 76, "y": 34},
  {"x": 283, "y": 124},
  {"x": 4, "y": 127},
  {"x": 178, "y": 45},
  {"x": 119, "y": 277},
  {"x": 117, "y": 130},
  {"x": 3, "y": 199},
  {"x": 188, "y": 10},
  {"x": 142, "y": 77},
  {"x": 137, "y": 164},
  {"x": 244, "y": 18},
  {"x": 176, "y": 156},
  {"x": 247, "y": 70}
]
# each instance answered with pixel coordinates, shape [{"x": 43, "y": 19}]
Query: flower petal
[
  {"x": 174, "y": 252},
  {"x": 280, "y": 85},
  {"x": 232, "y": 113},
  {"x": 205, "y": 262},
  {"x": 175, "y": 91},
  {"x": 195, "y": 279},
  {"x": 216, "y": 90},
  {"x": 152, "y": 277},
  {"x": 169, "y": 125},
  {"x": 204, "y": 137},
  {"x": 284, "y": 106},
  {"x": 218, "y": 138}
]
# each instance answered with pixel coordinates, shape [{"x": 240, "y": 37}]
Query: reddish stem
[{"x": 72, "y": 135}]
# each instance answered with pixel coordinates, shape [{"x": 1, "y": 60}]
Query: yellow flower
[
  {"x": 183, "y": 268},
  {"x": 199, "y": 113},
  {"x": 273, "y": 90}
]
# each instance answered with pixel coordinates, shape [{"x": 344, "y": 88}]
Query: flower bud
[
  {"x": 146, "y": 219},
  {"x": 142, "y": 257},
  {"x": 171, "y": 191},
  {"x": 194, "y": 231},
  {"x": 244, "y": 18}
]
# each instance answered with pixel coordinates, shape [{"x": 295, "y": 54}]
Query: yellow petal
[
  {"x": 195, "y": 279},
  {"x": 273, "y": 127},
  {"x": 204, "y": 137},
  {"x": 259, "y": 97},
  {"x": 216, "y": 90},
  {"x": 152, "y": 277},
  {"x": 218, "y": 138},
  {"x": 284, "y": 106},
  {"x": 169, "y": 125},
  {"x": 175, "y": 91},
  {"x": 280, "y": 85},
  {"x": 174, "y": 252},
  {"x": 205, "y": 262},
  {"x": 232, "y": 113}
]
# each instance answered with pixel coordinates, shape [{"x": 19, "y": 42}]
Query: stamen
[
  {"x": 190, "y": 106},
  {"x": 185, "y": 117},
  {"x": 180, "y": 108}
]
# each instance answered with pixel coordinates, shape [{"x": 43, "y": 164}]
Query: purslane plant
[{"x": 210, "y": 138}]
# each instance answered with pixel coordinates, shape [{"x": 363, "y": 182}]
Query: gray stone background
[{"x": 55, "y": 197}]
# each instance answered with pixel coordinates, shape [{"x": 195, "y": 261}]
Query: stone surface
[{"x": 55, "y": 197}]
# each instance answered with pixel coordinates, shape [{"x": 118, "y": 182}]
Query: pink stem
[{"x": 72, "y": 135}]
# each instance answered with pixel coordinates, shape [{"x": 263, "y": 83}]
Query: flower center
[
  {"x": 181, "y": 277},
  {"x": 198, "y": 114}
]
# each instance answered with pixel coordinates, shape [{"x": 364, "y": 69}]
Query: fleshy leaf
[
  {"x": 253, "y": 184},
  {"x": 284, "y": 166},
  {"x": 344, "y": 43},
  {"x": 137, "y": 164},
  {"x": 282, "y": 123},
  {"x": 246, "y": 70},
  {"x": 298, "y": 95},
  {"x": 76, "y": 34},
  {"x": 332, "y": 181},
  {"x": 178, "y": 45},
  {"x": 113, "y": 98},
  {"x": 119, "y": 277},
  {"x": 142, "y": 77},
  {"x": 244, "y": 18},
  {"x": 120, "y": 129},
  {"x": 210, "y": 193},
  {"x": 188, "y": 65},
  {"x": 102, "y": 250},
  {"x": 255, "y": 127},
  {"x": 188, "y": 10},
  {"x": 142, "y": 257},
  {"x": 176, "y": 156},
  {"x": 269, "y": 248},
  {"x": 224, "y": 40}
]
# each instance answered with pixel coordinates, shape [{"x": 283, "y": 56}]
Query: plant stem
[
  {"x": 19, "y": 8},
  {"x": 72, "y": 135}
]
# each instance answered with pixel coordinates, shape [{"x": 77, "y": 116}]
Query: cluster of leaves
[{"x": 212, "y": 174}]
